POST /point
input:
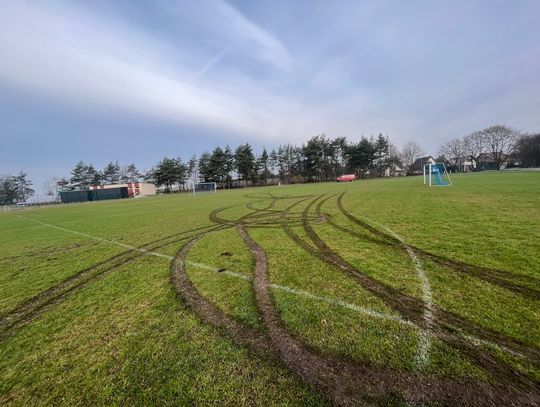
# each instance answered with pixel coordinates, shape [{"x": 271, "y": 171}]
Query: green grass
[{"x": 123, "y": 338}]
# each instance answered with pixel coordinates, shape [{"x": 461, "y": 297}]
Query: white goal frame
[
  {"x": 212, "y": 187},
  {"x": 428, "y": 174}
]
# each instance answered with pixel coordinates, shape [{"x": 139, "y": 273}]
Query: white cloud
[
  {"x": 240, "y": 79},
  {"x": 82, "y": 60},
  {"x": 268, "y": 47}
]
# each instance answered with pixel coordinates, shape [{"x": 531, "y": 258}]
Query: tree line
[
  {"x": 83, "y": 175},
  {"x": 499, "y": 144},
  {"x": 319, "y": 159}
]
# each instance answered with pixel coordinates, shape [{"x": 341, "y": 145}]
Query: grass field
[{"x": 379, "y": 291}]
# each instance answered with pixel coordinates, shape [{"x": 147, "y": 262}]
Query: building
[
  {"x": 418, "y": 166},
  {"x": 464, "y": 163},
  {"x": 86, "y": 195},
  {"x": 486, "y": 161},
  {"x": 133, "y": 188},
  {"x": 394, "y": 170}
]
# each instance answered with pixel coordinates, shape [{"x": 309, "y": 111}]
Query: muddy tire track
[
  {"x": 348, "y": 384},
  {"x": 452, "y": 319},
  {"x": 344, "y": 383},
  {"x": 208, "y": 313},
  {"x": 500, "y": 278},
  {"x": 31, "y": 308},
  {"x": 444, "y": 324},
  {"x": 214, "y": 215}
]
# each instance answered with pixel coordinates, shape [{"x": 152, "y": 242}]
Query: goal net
[
  {"x": 203, "y": 187},
  {"x": 436, "y": 174}
]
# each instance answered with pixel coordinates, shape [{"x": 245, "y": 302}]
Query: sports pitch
[{"x": 379, "y": 292}]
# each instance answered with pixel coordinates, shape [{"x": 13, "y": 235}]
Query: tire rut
[
  {"x": 38, "y": 304},
  {"x": 493, "y": 276},
  {"x": 348, "y": 384},
  {"x": 450, "y": 318},
  {"x": 208, "y": 312},
  {"x": 444, "y": 324}
]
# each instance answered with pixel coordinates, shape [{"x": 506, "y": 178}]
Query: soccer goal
[
  {"x": 436, "y": 174},
  {"x": 203, "y": 187}
]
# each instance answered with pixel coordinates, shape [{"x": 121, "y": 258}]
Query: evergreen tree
[
  {"x": 79, "y": 175},
  {"x": 204, "y": 166},
  {"x": 228, "y": 164},
  {"x": 314, "y": 158},
  {"x": 339, "y": 158},
  {"x": 111, "y": 173},
  {"x": 217, "y": 167},
  {"x": 273, "y": 162},
  {"x": 245, "y": 162},
  {"x": 168, "y": 172},
  {"x": 92, "y": 176},
  {"x": 263, "y": 166},
  {"x": 360, "y": 156},
  {"x": 192, "y": 169},
  {"x": 130, "y": 174},
  {"x": 8, "y": 190},
  {"x": 290, "y": 161},
  {"x": 380, "y": 153},
  {"x": 528, "y": 150}
]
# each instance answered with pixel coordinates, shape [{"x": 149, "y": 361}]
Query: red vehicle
[{"x": 346, "y": 178}]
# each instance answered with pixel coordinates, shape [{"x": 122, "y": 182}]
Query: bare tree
[
  {"x": 50, "y": 186},
  {"x": 500, "y": 141},
  {"x": 410, "y": 152},
  {"x": 452, "y": 150},
  {"x": 474, "y": 144}
]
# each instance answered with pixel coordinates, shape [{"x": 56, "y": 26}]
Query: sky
[{"x": 134, "y": 81}]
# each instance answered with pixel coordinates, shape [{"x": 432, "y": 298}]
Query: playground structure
[{"x": 436, "y": 174}]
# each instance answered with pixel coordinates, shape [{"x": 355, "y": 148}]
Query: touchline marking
[
  {"x": 424, "y": 339},
  {"x": 301, "y": 293},
  {"x": 100, "y": 239}
]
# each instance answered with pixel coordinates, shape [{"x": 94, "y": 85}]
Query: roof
[
  {"x": 419, "y": 162},
  {"x": 488, "y": 157}
]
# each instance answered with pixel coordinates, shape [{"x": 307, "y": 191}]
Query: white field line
[
  {"x": 357, "y": 308},
  {"x": 424, "y": 340},
  {"x": 301, "y": 293},
  {"x": 364, "y": 310},
  {"x": 482, "y": 342},
  {"x": 99, "y": 239}
]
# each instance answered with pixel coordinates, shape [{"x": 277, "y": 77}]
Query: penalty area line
[{"x": 424, "y": 336}]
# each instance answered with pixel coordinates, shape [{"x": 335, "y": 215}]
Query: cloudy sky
[{"x": 136, "y": 80}]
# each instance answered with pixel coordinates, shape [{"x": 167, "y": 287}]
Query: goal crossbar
[{"x": 203, "y": 187}]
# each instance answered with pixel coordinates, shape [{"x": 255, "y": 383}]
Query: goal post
[
  {"x": 435, "y": 174},
  {"x": 204, "y": 187}
]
